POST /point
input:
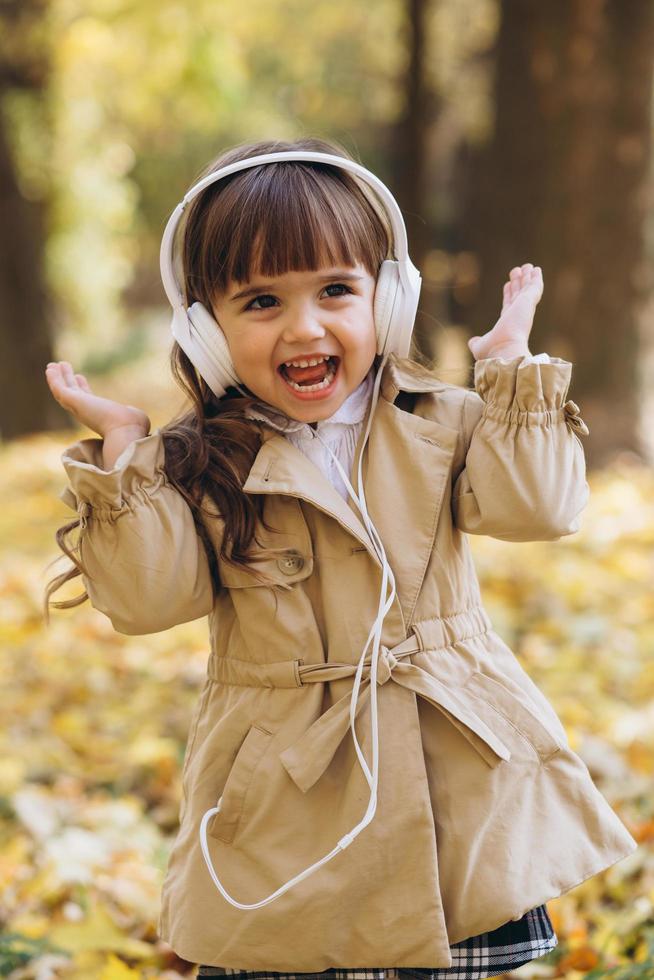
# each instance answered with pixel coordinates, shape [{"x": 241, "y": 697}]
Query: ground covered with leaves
[{"x": 96, "y": 724}]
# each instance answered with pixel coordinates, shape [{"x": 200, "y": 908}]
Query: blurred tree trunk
[
  {"x": 409, "y": 152},
  {"x": 26, "y": 404},
  {"x": 565, "y": 184}
]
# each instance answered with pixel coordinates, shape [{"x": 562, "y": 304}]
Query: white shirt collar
[{"x": 352, "y": 411}]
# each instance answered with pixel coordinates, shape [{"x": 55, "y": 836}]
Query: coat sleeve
[
  {"x": 524, "y": 471},
  {"x": 148, "y": 568}
]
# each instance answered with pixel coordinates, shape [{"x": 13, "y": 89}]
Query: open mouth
[{"x": 312, "y": 378}]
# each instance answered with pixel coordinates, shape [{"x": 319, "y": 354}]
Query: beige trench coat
[{"x": 483, "y": 811}]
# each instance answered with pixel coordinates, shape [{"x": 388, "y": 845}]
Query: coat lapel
[
  {"x": 280, "y": 467},
  {"x": 406, "y": 472},
  {"x": 405, "y": 469}
]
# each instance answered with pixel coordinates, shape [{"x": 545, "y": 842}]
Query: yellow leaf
[
  {"x": 97, "y": 932},
  {"x": 115, "y": 969},
  {"x": 31, "y": 924}
]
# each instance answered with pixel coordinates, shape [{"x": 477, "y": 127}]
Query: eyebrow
[{"x": 253, "y": 290}]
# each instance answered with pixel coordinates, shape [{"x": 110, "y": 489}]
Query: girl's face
[{"x": 301, "y": 316}]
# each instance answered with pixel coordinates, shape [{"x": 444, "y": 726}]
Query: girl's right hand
[{"x": 102, "y": 415}]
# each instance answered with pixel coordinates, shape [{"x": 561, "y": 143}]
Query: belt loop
[
  {"x": 420, "y": 636},
  {"x": 296, "y": 671}
]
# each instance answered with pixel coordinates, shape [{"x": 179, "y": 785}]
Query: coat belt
[{"x": 310, "y": 755}]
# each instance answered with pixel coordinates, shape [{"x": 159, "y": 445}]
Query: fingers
[
  {"x": 519, "y": 276},
  {"x": 60, "y": 373},
  {"x": 54, "y": 376},
  {"x": 68, "y": 374},
  {"x": 526, "y": 272},
  {"x": 66, "y": 385}
]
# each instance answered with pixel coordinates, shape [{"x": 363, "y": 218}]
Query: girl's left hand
[{"x": 510, "y": 335}]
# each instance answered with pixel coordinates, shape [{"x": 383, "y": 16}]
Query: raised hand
[
  {"x": 102, "y": 415},
  {"x": 510, "y": 335}
]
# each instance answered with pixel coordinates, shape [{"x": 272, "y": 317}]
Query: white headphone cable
[{"x": 385, "y": 604}]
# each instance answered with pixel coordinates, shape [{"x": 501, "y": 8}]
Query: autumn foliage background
[{"x": 510, "y": 132}]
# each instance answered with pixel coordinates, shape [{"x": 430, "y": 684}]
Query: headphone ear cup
[
  {"x": 214, "y": 344},
  {"x": 385, "y": 300},
  {"x": 204, "y": 343},
  {"x": 395, "y": 306}
]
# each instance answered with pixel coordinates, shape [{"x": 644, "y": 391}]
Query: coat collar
[
  {"x": 280, "y": 467},
  {"x": 404, "y": 374}
]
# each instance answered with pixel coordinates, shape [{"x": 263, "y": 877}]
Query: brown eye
[
  {"x": 339, "y": 285},
  {"x": 256, "y": 299}
]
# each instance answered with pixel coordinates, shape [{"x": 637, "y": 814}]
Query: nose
[{"x": 303, "y": 323}]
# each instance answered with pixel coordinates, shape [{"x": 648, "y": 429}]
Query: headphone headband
[{"x": 406, "y": 270}]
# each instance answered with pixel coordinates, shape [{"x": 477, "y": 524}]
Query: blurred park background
[{"x": 511, "y": 132}]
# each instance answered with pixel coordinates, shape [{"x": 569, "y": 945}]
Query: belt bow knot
[
  {"x": 574, "y": 419},
  {"x": 310, "y": 755},
  {"x": 386, "y": 664}
]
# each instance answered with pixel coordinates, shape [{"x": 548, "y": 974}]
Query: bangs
[{"x": 284, "y": 217}]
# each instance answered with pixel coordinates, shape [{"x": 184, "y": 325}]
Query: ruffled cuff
[
  {"x": 537, "y": 358},
  {"x": 104, "y": 493},
  {"x": 527, "y": 391}
]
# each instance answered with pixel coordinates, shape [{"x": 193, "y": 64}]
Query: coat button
[{"x": 291, "y": 563}]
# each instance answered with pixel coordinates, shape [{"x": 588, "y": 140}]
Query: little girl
[{"x": 318, "y": 467}]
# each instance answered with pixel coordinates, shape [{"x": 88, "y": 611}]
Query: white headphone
[
  {"x": 201, "y": 338},
  {"x": 396, "y": 293}
]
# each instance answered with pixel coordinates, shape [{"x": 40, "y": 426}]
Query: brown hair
[{"x": 272, "y": 219}]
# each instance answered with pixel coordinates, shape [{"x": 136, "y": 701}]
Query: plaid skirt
[{"x": 486, "y": 955}]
